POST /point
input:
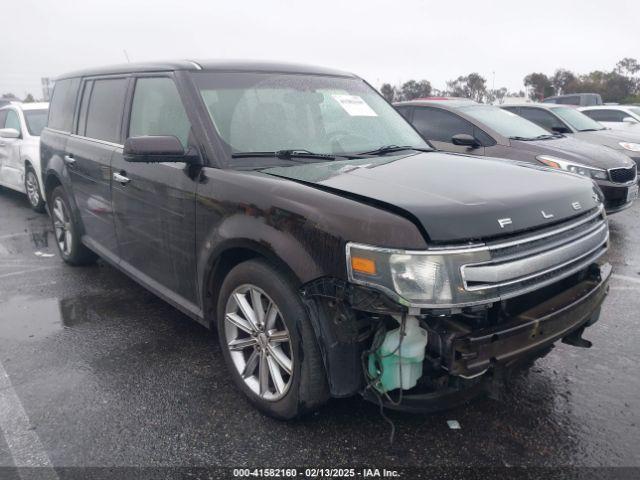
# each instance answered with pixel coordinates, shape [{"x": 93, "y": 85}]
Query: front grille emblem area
[
  {"x": 504, "y": 222},
  {"x": 546, "y": 215},
  {"x": 576, "y": 206}
]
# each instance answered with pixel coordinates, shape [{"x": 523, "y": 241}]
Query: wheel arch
[{"x": 224, "y": 258}]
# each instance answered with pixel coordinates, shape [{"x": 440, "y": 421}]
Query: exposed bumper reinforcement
[{"x": 532, "y": 330}]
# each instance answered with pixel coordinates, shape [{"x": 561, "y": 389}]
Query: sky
[{"x": 382, "y": 41}]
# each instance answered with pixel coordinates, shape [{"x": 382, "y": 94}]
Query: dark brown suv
[{"x": 295, "y": 211}]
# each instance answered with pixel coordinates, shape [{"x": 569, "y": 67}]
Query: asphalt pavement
[{"x": 96, "y": 371}]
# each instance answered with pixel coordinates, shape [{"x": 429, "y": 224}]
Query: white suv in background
[
  {"x": 616, "y": 117},
  {"x": 20, "y": 127}
]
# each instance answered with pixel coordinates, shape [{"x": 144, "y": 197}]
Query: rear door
[
  {"x": 11, "y": 168},
  {"x": 88, "y": 157},
  {"x": 439, "y": 126},
  {"x": 155, "y": 206}
]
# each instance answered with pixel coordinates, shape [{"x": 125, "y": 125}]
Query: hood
[
  {"x": 611, "y": 138},
  {"x": 454, "y": 197},
  {"x": 590, "y": 153}
]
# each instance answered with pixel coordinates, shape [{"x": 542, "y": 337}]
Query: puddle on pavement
[{"x": 26, "y": 318}]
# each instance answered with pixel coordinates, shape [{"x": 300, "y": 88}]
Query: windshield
[
  {"x": 505, "y": 123},
  {"x": 577, "y": 120},
  {"x": 36, "y": 121},
  {"x": 635, "y": 110},
  {"x": 273, "y": 112}
]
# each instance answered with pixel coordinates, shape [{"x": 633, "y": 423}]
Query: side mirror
[
  {"x": 9, "y": 133},
  {"x": 465, "y": 140},
  {"x": 156, "y": 149},
  {"x": 561, "y": 129},
  {"x": 629, "y": 120}
]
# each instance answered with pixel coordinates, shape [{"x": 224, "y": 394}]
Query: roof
[
  {"x": 208, "y": 65},
  {"x": 34, "y": 106},
  {"x": 27, "y": 106},
  {"x": 546, "y": 106},
  {"x": 450, "y": 103},
  {"x": 606, "y": 107}
]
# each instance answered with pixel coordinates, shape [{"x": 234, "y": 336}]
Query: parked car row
[{"x": 331, "y": 246}]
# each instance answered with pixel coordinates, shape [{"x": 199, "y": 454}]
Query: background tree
[
  {"x": 627, "y": 67},
  {"x": 9, "y": 96},
  {"x": 388, "y": 91},
  {"x": 539, "y": 86},
  {"x": 29, "y": 99},
  {"x": 563, "y": 81},
  {"x": 411, "y": 89},
  {"x": 472, "y": 86}
]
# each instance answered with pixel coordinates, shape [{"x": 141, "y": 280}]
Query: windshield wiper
[
  {"x": 592, "y": 129},
  {"x": 523, "y": 139},
  {"x": 285, "y": 154},
  {"x": 394, "y": 148}
]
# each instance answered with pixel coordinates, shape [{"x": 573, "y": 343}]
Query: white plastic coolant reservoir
[{"x": 401, "y": 367}]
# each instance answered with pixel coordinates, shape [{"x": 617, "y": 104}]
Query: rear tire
[
  {"x": 281, "y": 337},
  {"x": 32, "y": 187},
  {"x": 67, "y": 231}
]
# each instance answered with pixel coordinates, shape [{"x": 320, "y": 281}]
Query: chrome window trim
[{"x": 97, "y": 140}]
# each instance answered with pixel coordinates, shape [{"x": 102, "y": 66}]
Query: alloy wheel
[
  {"x": 32, "y": 188},
  {"x": 259, "y": 342},
  {"x": 62, "y": 226}
]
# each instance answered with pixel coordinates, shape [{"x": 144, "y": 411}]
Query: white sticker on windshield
[{"x": 355, "y": 105}]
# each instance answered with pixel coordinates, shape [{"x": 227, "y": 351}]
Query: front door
[
  {"x": 154, "y": 204},
  {"x": 11, "y": 168},
  {"x": 439, "y": 126},
  {"x": 88, "y": 159}
]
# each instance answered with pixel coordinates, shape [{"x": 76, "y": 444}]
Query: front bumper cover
[{"x": 532, "y": 330}]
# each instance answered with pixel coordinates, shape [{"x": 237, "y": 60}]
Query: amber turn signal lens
[
  {"x": 550, "y": 163},
  {"x": 363, "y": 265}
]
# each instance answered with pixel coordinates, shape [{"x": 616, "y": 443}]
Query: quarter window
[
  {"x": 63, "y": 104},
  {"x": 104, "y": 113},
  {"x": 158, "y": 110}
]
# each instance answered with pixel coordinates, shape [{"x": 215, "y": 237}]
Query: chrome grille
[
  {"x": 529, "y": 262},
  {"x": 623, "y": 175}
]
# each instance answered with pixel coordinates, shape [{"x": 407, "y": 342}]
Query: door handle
[
  {"x": 121, "y": 178},
  {"x": 69, "y": 160}
]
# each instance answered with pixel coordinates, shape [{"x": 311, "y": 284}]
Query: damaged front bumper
[
  {"x": 463, "y": 357},
  {"x": 471, "y": 354}
]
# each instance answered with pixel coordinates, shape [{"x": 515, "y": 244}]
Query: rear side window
[
  {"x": 3, "y": 116},
  {"x": 158, "y": 110},
  {"x": 546, "y": 120},
  {"x": 606, "y": 115},
  {"x": 104, "y": 113},
  {"x": 405, "y": 112},
  {"x": 63, "y": 104}
]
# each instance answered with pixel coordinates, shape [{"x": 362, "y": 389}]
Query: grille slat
[
  {"x": 623, "y": 175},
  {"x": 536, "y": 260}
]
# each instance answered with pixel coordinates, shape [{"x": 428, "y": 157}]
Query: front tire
[
  {"x": 268, "y": 342},
  {"x": 32, "y": 187},
  {"x": 66, "y": 230}
]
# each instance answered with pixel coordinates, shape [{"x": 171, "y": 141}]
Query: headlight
[
  {"x": 423, "y": 278},
  {"x": 634, "y": 147},
  {"x": 573, "y": 167}
]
